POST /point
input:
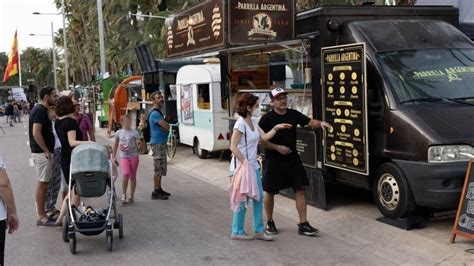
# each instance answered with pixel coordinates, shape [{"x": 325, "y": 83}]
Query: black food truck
[{"x": 397, "y": 84}]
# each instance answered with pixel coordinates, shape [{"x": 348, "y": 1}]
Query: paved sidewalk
[
  {"x": 351, "y": 220},
  {"x": 192, "y": 228}
]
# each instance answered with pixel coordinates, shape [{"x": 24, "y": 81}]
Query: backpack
[{"x": 146, "y": 129}]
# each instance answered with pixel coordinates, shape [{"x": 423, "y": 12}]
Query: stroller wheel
[
  {"x": 65, "y": 228},
  {"x": 72, "y": 244},
  {"x": 110, "y": 240},
  {"x": 120, "y": 225}
]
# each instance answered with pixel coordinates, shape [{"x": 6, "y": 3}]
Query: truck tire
[
  {"x": 202, "y": 154},
  {"x": 392, "y": 194}
]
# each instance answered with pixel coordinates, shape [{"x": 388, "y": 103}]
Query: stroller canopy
[{"x": 91, "y": 157}]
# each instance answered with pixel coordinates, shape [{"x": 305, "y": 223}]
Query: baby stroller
[{"x": 90, "y": 176}]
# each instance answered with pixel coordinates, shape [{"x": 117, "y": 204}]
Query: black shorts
[{"x": 284, "y": 173}]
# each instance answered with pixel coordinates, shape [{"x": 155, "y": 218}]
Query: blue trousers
[{"x": 238, "y": 221}]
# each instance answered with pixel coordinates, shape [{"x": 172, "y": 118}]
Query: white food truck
[{"x": 202, "y": 120}]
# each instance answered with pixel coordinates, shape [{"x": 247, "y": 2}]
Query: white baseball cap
[{"x": 277, "y": 91}]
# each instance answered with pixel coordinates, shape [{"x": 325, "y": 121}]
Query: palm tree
[{"x": 121, "y": 37}]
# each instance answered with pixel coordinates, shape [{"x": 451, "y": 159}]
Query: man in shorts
[
  {"x": 283, "y": 167},
  {"x": 42, "y": 149},
  {"x": 158, "y": 137}
]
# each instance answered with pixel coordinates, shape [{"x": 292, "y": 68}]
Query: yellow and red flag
[{"x": 12, "y": 67}]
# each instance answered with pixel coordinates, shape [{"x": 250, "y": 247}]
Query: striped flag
[{"x": 12, "y": 67}]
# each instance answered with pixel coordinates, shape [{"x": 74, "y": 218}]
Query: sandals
[
  {"x": 53, "y": 215},
  {"x": 130, "y": 200},
  {"x": 45, "y": 222},
  {"x": 124, "y": 199}
]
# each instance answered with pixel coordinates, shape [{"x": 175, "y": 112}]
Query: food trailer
[
  {"x": 201, "y": 116},
  {"x": 254, "y": 51}
]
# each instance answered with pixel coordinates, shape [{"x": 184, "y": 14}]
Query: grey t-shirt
[{"x": 127, "y": 142}]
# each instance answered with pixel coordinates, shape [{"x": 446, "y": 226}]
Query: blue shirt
[{"x": 157, "y": 134}]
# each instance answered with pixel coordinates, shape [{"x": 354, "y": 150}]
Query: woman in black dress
[{"x": 70, "y": 136}]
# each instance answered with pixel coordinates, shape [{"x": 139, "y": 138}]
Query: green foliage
[
  {"x": 121, "y": 34},
  {"x": 36, "y": 64}
]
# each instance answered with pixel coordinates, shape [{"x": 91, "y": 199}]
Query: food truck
[
  {"x": 393, "y": 81},
  {"x": 396, "y": 84},
  {"x": 201, "y": 116}
]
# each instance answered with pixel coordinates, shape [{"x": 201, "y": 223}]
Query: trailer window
[{"x": 204, "y": 99}]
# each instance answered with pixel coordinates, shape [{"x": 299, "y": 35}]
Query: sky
[{"x": 17, "y": 14}]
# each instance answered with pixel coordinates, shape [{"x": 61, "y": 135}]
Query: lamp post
[
  {"x": 101, "y": 37},
  {"x": 54, "y": 53},
  {"x": 66, "y": 62}
]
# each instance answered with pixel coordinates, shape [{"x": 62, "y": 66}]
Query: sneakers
[
  {"x": 244, "y": 237},
  {"x": 271, "y": 228},
  {"x": 307, "y": 230},
  {"x": 263, "y": 236},
  {"x": 158, "y": 194},
  {"x": 164, "y": 192}
]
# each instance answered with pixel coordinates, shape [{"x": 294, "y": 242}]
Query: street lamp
[
  {"x": 63, "y": 13},
  {"x": 139, "y": 15},
  {"x": 54, "y": 53}
]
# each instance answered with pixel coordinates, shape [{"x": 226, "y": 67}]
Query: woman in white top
[{"x": 244, "y": 145}]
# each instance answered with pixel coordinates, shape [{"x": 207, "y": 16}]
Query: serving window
[
  {"x": 203, "y": 96},
  {"x": 281, "y": 65}
]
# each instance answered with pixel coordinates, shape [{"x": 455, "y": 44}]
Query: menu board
[
  {"x": 464, "y": 224},
  {"x": 344, "y": 105},
  {"x": 306, "y": 146}
]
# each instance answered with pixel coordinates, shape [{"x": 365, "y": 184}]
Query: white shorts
[{"x": 44, "y": 167}]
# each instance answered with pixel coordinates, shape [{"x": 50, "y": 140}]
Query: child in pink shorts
[{"x": 126, "y": 140}]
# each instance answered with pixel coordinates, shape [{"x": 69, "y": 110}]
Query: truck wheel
[
  {"x": 391, "y": 191},
  {"x": 202, "y": 154}
]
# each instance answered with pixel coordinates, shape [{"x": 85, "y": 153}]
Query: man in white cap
[{"x": 283, "y": 167}]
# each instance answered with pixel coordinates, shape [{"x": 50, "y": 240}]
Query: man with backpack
[{"x": 156, "y": 132}]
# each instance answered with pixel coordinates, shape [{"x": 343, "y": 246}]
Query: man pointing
[{"x": 283, "y": 168}]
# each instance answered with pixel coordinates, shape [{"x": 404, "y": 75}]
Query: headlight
[{"x": 450, "y": 153}]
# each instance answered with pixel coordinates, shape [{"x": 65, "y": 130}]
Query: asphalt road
[{"x": 192, "y": 227}]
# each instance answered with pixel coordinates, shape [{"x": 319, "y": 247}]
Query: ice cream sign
[{"x": 196, "y": 29}]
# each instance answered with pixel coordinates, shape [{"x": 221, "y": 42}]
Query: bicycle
[{"x": 172, "y": 141}]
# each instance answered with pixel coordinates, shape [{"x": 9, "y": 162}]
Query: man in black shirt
[
  {"x": 9, "y": 112},
  {"x": 283, "y": 167},
  {"x": 42, "y": 147}
]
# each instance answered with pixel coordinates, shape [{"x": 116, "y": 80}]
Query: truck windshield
[{"x": 431, "y": 76}]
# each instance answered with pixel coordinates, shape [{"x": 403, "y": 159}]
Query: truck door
[{"x": 375, "y": 110}]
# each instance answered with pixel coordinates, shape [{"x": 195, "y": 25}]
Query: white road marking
[
  {"x": 32, "y": 162},
  {"x": 26, "y": 133},
  {"x": 27, "y": 143}
]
